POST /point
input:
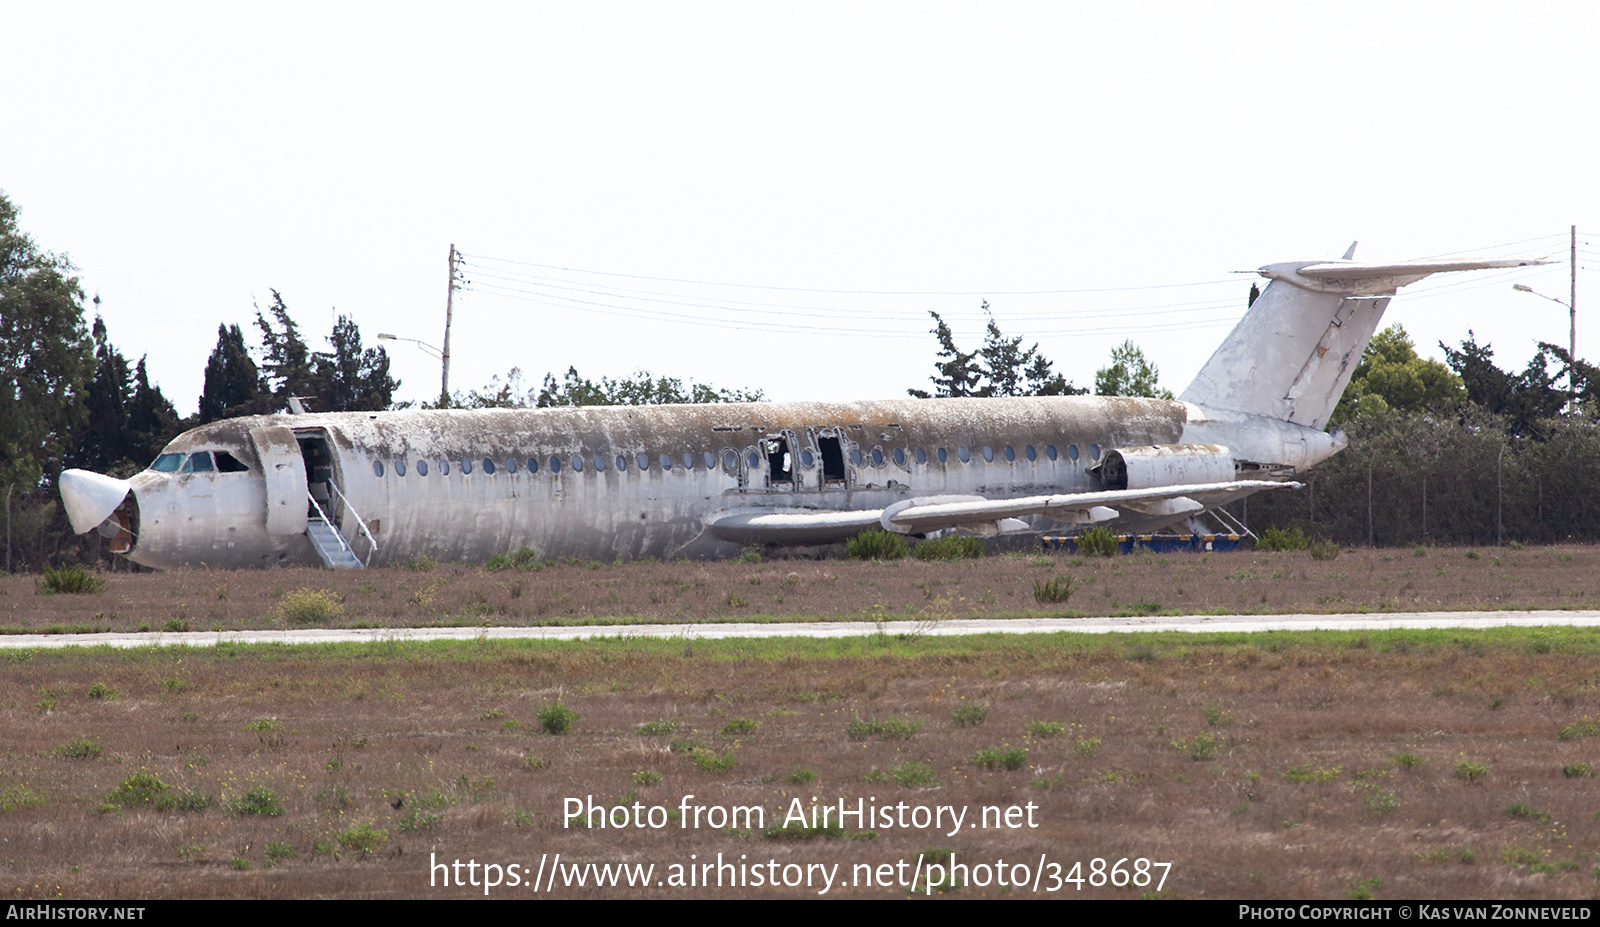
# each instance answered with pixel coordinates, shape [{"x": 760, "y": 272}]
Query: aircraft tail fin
[{"x": 1293, "y": 353}]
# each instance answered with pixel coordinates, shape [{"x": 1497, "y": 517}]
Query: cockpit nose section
[{"x": 91, "y": 497}]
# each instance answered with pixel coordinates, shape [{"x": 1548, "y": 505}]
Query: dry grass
[
  {"x": 1327, "y": 761},
  {"x": 1234, "y": 583}
]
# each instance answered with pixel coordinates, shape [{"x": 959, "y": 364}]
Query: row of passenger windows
[{"x": 730, "y": 460}]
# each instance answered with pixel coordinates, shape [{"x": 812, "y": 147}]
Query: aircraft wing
[{"x": 973, "y": 513}]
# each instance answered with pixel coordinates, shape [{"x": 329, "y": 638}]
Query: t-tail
[{"x": 1293, "y": 353}]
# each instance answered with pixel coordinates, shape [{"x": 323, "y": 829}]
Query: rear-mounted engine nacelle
[{"x": 1158, "y": 465}]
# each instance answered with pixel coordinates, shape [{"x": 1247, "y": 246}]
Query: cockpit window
[
  {"x": 198, "y": 463},
  {"x": 167, "y": 463},
  {"x": 227, "y": 463}
]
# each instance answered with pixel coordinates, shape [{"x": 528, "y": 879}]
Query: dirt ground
[
  {"x": 437, "y": 594},
  {"x": 1438, "y": 764}
]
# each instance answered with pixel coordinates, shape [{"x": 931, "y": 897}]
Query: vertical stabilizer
[{"x": 1293, "y": 353}]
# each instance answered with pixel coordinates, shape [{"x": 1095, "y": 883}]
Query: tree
[
  {"x": 285, "y": 359},
  {"x": 1392, "y": 376},
  {"x": 233, "y": 385},
  {"x": 152, "y": 421},
  {"x": 102, "y": 445},
  {"x": 46, "y": 357},
  {"x": 642, "y": 389},
  {"x": 1523, "y": 400},
  {"x": 351, "y": 379},
  {"x": 999, "y": 368},
  {"x": 1129, "y": 374}
]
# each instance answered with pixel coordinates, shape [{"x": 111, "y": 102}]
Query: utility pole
[
  {"x": 449, "y": 310},
  {"x": 1572, "y": 307}
]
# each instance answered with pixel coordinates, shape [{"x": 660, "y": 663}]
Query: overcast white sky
[{"x": 1094, "y": 170}]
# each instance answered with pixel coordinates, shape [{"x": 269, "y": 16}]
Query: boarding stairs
[
  {"x": 332, "y": 548},
  {"x": 1230, "y": 525}
]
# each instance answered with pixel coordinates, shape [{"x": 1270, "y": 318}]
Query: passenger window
[
  {"x": 988, "y": 454},
  {"x": 577, "y": 464},
  {"x": 198, "y": 463},
  {"x": 688, "y": 461},
  {"x": 922, "y": 456},
  {"x": 666, "y": 462},
  {"x": 1011, "y": 455},
  {"x": 599, "y": 463},
  {"x": 1094, "y": 452},
  {"x": 377, "y": 468},
  {"x": 444, "y": 468},
  {"x": 900, "y": 456},
  {"x": 488, "y": 467},
  {"x": 1030, "y": 453},
  {"x": 1072, "y": 452},
  {"x": 808, "y": 459},
  {"x": 167, "y": 463},
  {"x": 711, "y": 461},
  {"x": 644, "y": 461},
  {"x": 422, "y": 468},
  {"x": 399, "y": 468},
  {"x": 511, "y": 464},
  {"x": 855, "y": 456},
  {"x": 730, "y": 461},
  {"x": 622, "y": 463},
  {"x": 944, "y": 456},
  {"x": 555, "y": 465},
  {"x": 964, "y": 454},
  {"x": 466, "y": 465},
  {"x": 227, "y": 463},
  {"x": 877, "y": 457},
  {"x": 533, "y": 465}
]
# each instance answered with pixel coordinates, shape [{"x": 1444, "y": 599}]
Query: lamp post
[
  {"x": 444, "y": 387},
  {"x": 1572, "y": 343}
]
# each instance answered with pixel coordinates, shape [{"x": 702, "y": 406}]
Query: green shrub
[
  {"x": 646, "y": 777},
  {"x": 68, "y": 581},
  {"x": 1324, "y": 550},
  {"x": 1279, "y": 539},
  {"x": 1577, "y": 771},
  {"x": 1410, "y": 760},
  {"x": 1588, "y": 727},
  {"x": 310, "y": 606},
  {"x": 915, "y": 776},
  {"x": 363, "y": 838},
  {"x": 1088, "y": 746},
  {"x": 1202, "y": 746},
  {"x": 949, "y": 547},
  {"x": 557, "y": 718},
  {"x": 802, "y": 776},
  {"x": 524, "y": 559},
  {"x": 186, "y": 800},
  {"x": 1312, "y": 774},
  {"x": 137, "y": 789},
  {"x": 259, "y": 800},
  {"x": 710, "y": 762},
  {"x": 969, "y": 715},
  {"x": 278, "y": 852},
  {"x": 740, "y": 726},
  {"x": 1097, "y": 542},
  {"x": 1055, "y": 591},
  {"x": 861, "y": 728},
  {"x": 1011, "y": 759},
  {"x": 1471, "y": 771},
  {"x": 659, "y": 727},
  {"x": 1046, "y": 728},
  {"x": 419, "y": 820},
  {"x": 81, "y": 749},
  {"x": 876, "y": 544},
  {"x": 101, "y": 692},
  {"x": 17, "y": 797}
]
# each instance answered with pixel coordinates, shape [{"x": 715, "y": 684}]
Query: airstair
[{"x": 331, "y": 546}]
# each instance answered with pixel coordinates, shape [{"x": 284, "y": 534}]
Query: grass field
[
  {"x": 429, "y": 594},
  {"x": 1438, "y": 764}
]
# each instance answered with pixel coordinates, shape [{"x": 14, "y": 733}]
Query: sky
[{"x": 774, "y": 196}]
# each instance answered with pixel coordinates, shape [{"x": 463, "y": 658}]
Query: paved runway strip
[{"x": 1390, "y": 621}]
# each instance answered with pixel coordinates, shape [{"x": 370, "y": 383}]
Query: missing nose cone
[{"x": 90, "y": 498}]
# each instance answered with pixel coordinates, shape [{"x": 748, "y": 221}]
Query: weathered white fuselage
[{"x": 636, "y": 482}]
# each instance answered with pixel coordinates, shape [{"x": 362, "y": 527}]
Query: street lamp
[
  {"x": 1572, "y": 344},
  {"x": 444, "y": 384}
]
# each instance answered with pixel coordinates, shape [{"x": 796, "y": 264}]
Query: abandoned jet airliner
[{"x": 352, "y": 489}]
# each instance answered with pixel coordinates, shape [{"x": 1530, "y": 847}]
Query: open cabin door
[{"x": 285, "y": 472}]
